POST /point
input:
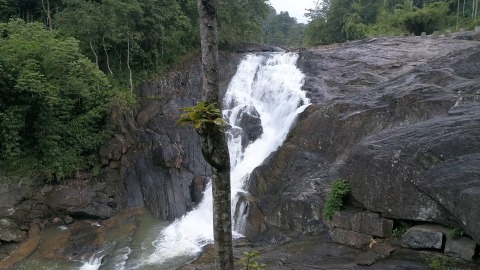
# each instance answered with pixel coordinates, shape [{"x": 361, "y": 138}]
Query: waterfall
[{"x": 267, "y": 89}]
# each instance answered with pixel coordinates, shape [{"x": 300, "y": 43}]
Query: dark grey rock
[
  {"x": 385, "y": 115},
  {"x": 350, "y": 238},
  {"x": 10, "y": 231},
  {"x": 161, "y": 163},
  {"x": 382, "y": 249},
  {"x": 422, "y": 237},
  {"x": 469, "y": 35},
  {"x": 86, "y": 201},
  {"x": 367, "y": 258},
  {"x": 342, "y": 219},
  {"x": 371, "y": 223},
  {"x": 460, "y": 247},
  {"x": 9, "y": 198},
  {"x": 251, "y": 125}
]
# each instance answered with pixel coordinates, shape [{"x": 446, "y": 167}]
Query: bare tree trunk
[
  {"x": 94, "y": 53},
  {"x": 473, "y": 7},
  {"x": 463, "y": 12},
  {"x": 48, "y": 12},
  {"x": 214, "y": 142},
  {"x": 458, "y": 13},
  {"x": 106, "y": 55},
  {"x": 128, "y": 63},
  {"x": 476, "y": 9}
]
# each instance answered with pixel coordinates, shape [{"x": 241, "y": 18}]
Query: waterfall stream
[{"x": 267, "y": 88}]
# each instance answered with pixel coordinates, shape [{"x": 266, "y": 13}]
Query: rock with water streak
[{"x": 399, "y": 118}]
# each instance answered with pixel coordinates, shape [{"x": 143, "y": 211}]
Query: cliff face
[
  {"x": 161, "y": 165},
  {"x": 399, "y": 118}
]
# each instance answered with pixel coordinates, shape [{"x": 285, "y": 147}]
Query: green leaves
[
  {"x": 339, "y": 191},
  {"x": 201, "y": 115},
  {"x": 54, "y": 103},
  {"x": 249, "y": 261}
]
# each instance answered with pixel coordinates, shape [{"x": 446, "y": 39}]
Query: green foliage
[
  {"x": 240, "y": 20},
  {"x": 399, "y": 232},
  {"x": 340, "y": 20},
  {"x": 202, "y": 114},
  {"x": 249, "y": 261},
  {"x": 339, "y": 191},
  {"x": 455, "y": 232},
  {"x": 427, "y": 19},
  {"x": 439, "y": 262},
  {"x": 54, "y": 103},
  {"x": 282, "y": 30}
]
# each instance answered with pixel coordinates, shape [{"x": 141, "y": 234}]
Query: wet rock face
[
  {"x": 156, "y": 162},
  {"x": 399, "y": 118},
  {"x": 252, "y": 126}
]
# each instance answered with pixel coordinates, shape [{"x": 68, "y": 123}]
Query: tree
[
  {"x": 214, "y": 142},
  {"x": 53, "y": 103}
]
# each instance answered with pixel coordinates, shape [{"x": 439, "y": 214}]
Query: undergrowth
[{"x": 340, "y": 190}]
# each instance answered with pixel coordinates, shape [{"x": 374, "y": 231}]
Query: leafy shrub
[
  {"x": 249, "y": 261},
  {"x": 340, "y": 189},
  {"x": 202, "y": 114},
  {"x": 53, "y": 103},
  {"x": 455, "y": 232},
  {"x": 399, "y": 232},
  {"x": 427, "y": 19},
  {"x": 438, "y": 263}
]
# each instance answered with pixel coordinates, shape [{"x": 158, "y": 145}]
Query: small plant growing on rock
[
  {"x": 202, "y": 114},
  {"x": 249, "y": 261},
  {"x": 455, "y": 232},
  {"x": 399, "y": 232},
  {"x": 340, "y": 190},
  {"x": 438, "y": 263}
]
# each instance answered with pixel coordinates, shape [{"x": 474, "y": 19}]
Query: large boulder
[{"x": 399, "y": 118}]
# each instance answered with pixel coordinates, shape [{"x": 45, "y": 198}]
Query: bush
[
  {"x": 249, "y": 261},
  {"x": 340, "y": 190},
  {"x": 399, "y": 232},
  {"x": 427, "y": 19},
  {"x": 455, "y": 232},
  {"x": 53, "y": 103}
]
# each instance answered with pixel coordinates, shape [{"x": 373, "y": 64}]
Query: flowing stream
[{"x": 267, "y": 89}]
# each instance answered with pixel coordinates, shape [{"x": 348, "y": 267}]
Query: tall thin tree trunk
[
  {"x": 473, "y": 7},
  {"x": 106, "y": 55},
  {"x": 463, "y": 12},
  {"x": 128, "y": 64},
  {"x": 214, "y": 142},
  {"x": 458, "y": 13},
  {"x": 476, "y": 9},
  {"x": 94, "y": 53},
  {"x": 48, "y": 12}
]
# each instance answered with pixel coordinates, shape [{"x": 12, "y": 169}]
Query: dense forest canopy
[
  {"x": 68, "y": 66},
  {"x": 335, "y": 21}
]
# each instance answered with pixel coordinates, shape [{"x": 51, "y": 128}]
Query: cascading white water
[{"x": 268, "y": 84}]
